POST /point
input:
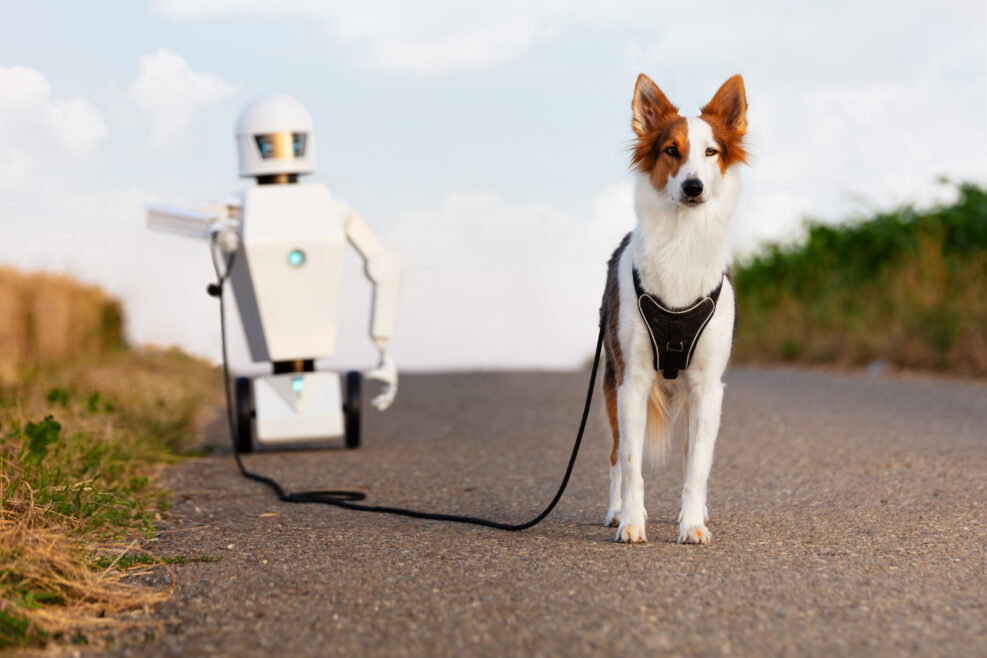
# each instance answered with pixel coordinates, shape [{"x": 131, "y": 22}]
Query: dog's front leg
[
  {"x": 632, "y": 401},
  {"x": 705, "y": 403}
]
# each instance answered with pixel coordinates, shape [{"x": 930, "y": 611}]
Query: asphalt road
[{"x": 847, "y": 515}]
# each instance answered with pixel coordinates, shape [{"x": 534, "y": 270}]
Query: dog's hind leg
[{"x": 610, "y": 394}]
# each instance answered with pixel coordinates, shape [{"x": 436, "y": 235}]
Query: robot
[{"x": 286, "y": 238}]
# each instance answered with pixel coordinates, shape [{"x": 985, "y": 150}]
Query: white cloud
[
  {"x": 425, "y": 37},
  {"x": 493, "y": 284},
  {"x": 831, "y": 152},
  {"x": 443, "y": 36},
  {"x": 36, "y": 128},
  {"x": 773, "y": 215},
  {"x": 171, "y": 93},
  {"x": 23, "y": 87},
  {"x": 470, "y": 47},
  {"x": 77, "y": 124}
]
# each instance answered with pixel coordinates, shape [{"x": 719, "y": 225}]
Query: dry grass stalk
[{"x": 41, "y": 555}]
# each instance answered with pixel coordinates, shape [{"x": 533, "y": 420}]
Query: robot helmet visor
[{"x": 282, "y": 145}]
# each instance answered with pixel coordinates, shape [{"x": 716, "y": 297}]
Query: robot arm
[
  {"x": 382, "y": 269},
  {"x": 220, "y": 219}
]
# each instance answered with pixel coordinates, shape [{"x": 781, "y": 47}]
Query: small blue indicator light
[
  {"x": 296, "y": 258},
  {"x": 296, "y": 384}
]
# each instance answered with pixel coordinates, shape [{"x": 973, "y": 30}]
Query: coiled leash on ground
[{"x": 348, "y": 499}]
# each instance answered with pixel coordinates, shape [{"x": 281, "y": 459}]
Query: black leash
[{"x": 347, "y": 499}]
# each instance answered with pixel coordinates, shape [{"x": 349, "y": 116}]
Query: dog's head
[{"x": 687, "y": 158}]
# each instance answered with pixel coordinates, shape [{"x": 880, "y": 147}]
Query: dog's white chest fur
[{"x": 681, "y": 253}]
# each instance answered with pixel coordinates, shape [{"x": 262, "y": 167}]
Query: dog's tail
[{"x": 658, "y": 424}]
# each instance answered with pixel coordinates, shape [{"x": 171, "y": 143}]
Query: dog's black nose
[{"x": 692, "y": 187}]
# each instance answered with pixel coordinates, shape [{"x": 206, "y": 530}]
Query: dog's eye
[
  {"x": 711, "y": 151},
  {"x": 672, "y": 151}
]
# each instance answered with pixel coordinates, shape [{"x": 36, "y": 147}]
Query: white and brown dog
[{"x": 668, "y": 305}]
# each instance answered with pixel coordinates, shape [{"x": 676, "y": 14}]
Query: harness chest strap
[{"x": 674, "y": 331}]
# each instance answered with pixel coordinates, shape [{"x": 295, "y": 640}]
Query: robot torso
[{"x": 288, "y": 272}]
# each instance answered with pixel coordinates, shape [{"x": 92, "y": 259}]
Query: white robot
[{"x": 287, "y": 241}]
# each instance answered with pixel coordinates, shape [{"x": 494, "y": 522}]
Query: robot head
[{"x": 274, "y": 136}]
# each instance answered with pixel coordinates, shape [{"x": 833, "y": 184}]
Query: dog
[{"x": 669, "y": 307}]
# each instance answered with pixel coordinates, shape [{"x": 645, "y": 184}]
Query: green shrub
[{"x": 909, "y": 286}]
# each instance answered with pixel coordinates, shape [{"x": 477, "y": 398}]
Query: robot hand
[
  {"x": 387, "y": 373},
  {"x": 227, "y": 238}
]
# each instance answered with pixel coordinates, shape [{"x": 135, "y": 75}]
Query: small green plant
[
  {"x": 16, "y": 630},
  {"x": 39, "y": 437},
  {"x": 790, "y": 349},
  {"x": 58, "y": 396},
  {"x": 96, "y": 403}
]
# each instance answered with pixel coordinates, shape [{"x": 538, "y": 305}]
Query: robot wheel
[
  {"x": 244, "y": 415},
  {"x": 351, "y": 408}
]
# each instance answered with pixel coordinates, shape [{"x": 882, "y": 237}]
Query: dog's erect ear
[
  {"x": 650, "y": 107},
  {"x": 729, "y": 106}
]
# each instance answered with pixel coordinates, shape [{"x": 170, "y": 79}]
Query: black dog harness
[{"x": 674, "y": 332}]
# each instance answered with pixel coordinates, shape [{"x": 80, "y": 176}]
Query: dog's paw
[
  {"x": 697, "y": 534},
  {"x": 631, "y": 534}
]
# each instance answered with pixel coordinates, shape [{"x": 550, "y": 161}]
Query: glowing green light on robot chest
[{"x": 296, "y": 257}]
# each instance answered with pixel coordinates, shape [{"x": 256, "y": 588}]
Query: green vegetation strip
[
  {"x": 89, "y": 481},
  {"x": 80, "y": 445},
  {"x": 908, "y": 287}
]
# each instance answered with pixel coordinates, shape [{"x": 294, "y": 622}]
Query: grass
[
  {"x": 82, "y": 439},
  {"x": 140, "y": 558},
  {"x": 908, "y": 287}
]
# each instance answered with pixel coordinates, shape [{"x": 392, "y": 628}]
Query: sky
[{"x": 486, "y": 143}]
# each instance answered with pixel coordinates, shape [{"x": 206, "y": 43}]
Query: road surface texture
[{"x": 847, "y": 515}]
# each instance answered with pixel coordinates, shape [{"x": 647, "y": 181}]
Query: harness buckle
[{"x": 675, "y": 347}]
